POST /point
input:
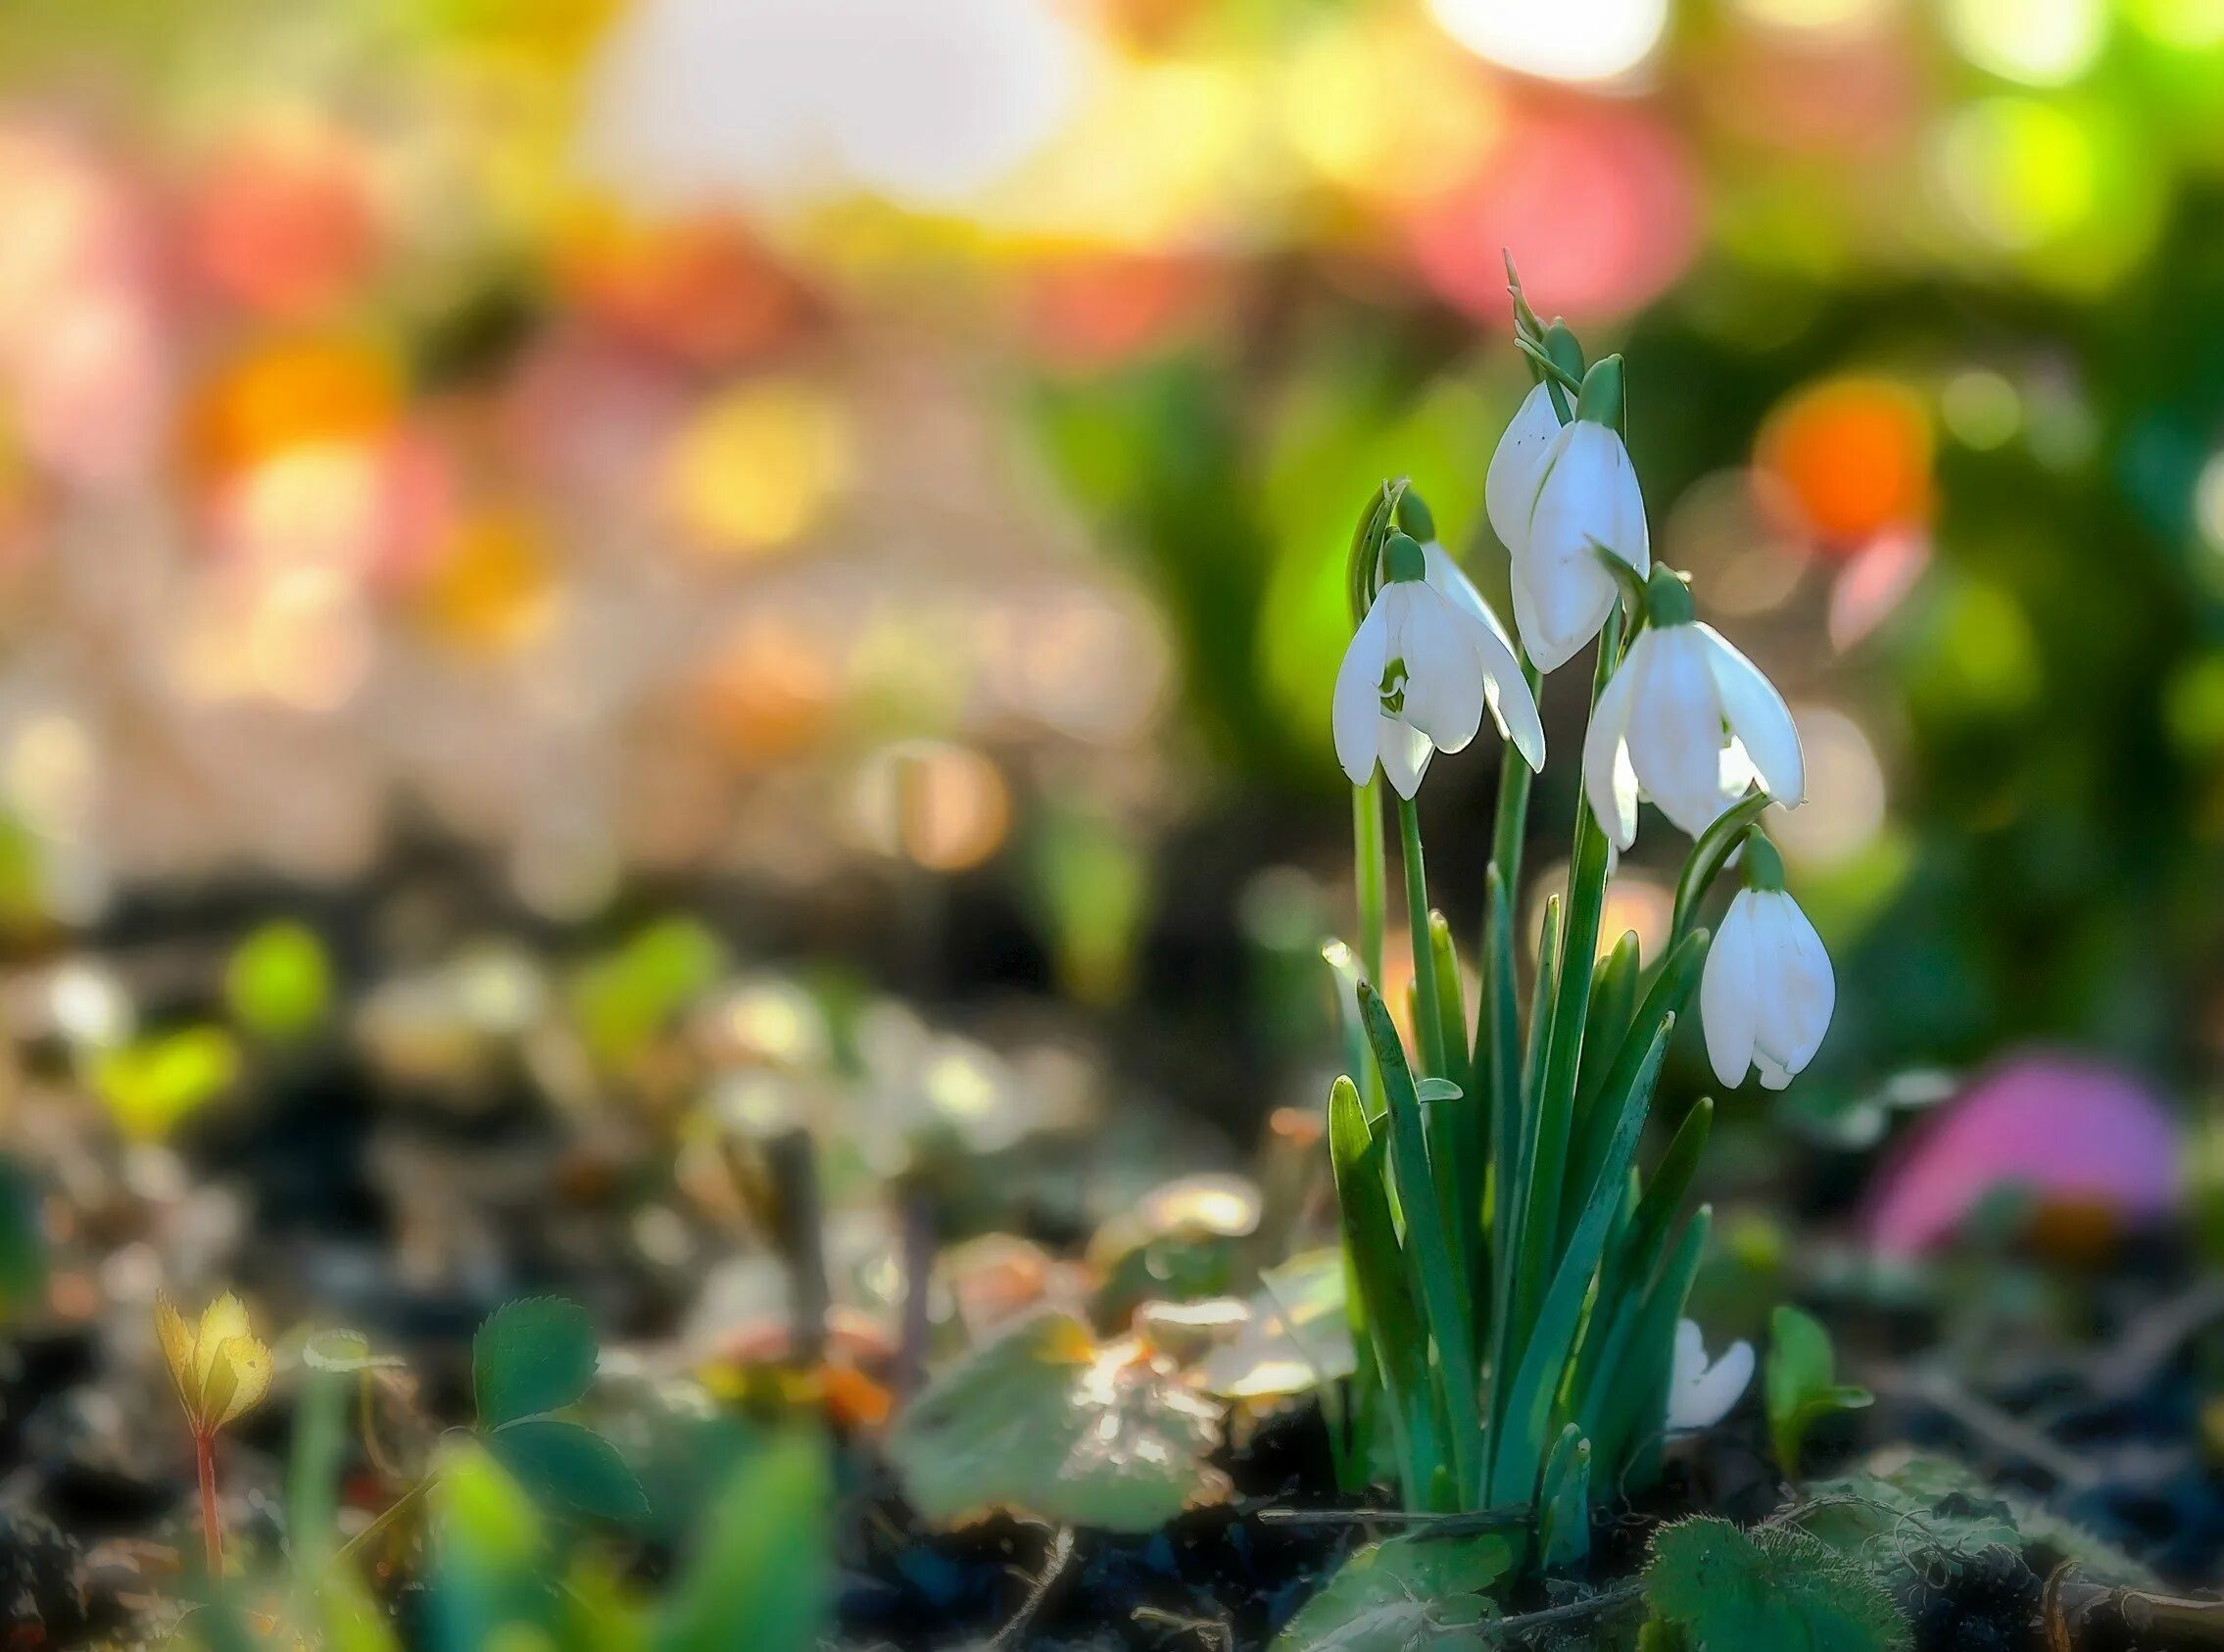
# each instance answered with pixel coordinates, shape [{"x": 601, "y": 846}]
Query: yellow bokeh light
[
  {"x": 2019, "y": 171},
  {"x": 1381, "y": 109},
  {"x": 2039, "y": 42},
  {"x": 754, "y": 469},
  {"x": 2190, "y": 25},
  {"x": 1575, "y": 40},
  {"x": 494, "y": 587}
]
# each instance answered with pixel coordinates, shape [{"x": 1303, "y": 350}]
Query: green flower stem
[
  {"x": 1555, "y": 1088},
  {"x": 1429, "y": 1023},
  {"x": 1368, "y": 874}
]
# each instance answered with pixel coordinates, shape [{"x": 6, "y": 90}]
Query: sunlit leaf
[
  {"x": 766, "y": 1558},
  {"x": 151, "y": 1083},
  {"x": 1404, "y": 1596},
  {"x": 1296, "y": 1336},
  {"x": 1801, "y": 1382},
  {"x": 531, "y": 1356},
  {"x": 628, "y": 997},
  {"x": 239, "y": 1381},
  {"x": 1045, "y": 1421}
]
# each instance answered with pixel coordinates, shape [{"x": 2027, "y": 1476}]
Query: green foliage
[
  {"x": 23, "y": 1242},
  {"x": 278, "y": 982},
  {"x": 1904, "y": 1525},
  {"x": 1043, "y": 1420},
  {"x": 1563, "y": 1502},
  {"x": 1802, "y": 1384},
  {"x": 1404, "y": 1596},
  {"x": 766, "y": 1560},
  {"x": 1723, "y": 1589},
  {"x": 627, "y": 997},
  {"x": 530, "y": 1358},
  {"x": 151, "y": 1083},
  {"x": 569, "y": 1463}
]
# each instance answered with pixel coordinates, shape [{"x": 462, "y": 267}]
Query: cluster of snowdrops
[{"x": 1518, "y": 1279}]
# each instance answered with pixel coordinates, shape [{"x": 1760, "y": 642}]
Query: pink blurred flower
[
  {"x": 2081, "y": 1136},
  {"x": 1598, "y": 203}
]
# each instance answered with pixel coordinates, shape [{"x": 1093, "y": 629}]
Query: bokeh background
[{"x": 803, "y": 504}]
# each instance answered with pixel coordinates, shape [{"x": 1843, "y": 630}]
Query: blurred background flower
[{"x": 883, "y": 471}]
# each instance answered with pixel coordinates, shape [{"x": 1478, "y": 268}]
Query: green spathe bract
[{"x": 1513, "y": 1277}]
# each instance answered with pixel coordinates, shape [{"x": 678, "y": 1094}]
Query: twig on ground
[{"x": 1054, "y": 1569}]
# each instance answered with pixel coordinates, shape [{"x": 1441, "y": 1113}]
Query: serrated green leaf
[
  {"x": 1927, "y": 1512},
  {"x": 569, "y": 1463},
  {"x": 1801, "y": 1383},
  {"x": 531, "y": 1356},
  {"x": 766, "y": 1561},
  {"x": 1404, "y": 1596},
  {"x": 1045, "y": 1420},
  {"x": 1729, "y": 1590}
]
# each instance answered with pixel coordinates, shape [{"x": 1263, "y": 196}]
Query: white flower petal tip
[
  {"x": 1516, "y": 466},
  {"x": 1767, "y": 990},
  {"x": 1701, "y": 1394},
  {"x": 1424, "y": 666},
  {"x": 1587, "y": 500}
]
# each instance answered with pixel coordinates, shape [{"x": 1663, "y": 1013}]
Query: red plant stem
[{"x": 205, "y": 1459}]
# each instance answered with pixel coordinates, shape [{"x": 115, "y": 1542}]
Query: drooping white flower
[
  {"x": 1412, "y": 682},
  {"x": 1687, "y": 721},
  {"x": 1700, "y": 1393},
  {"x": 1768, "y": 989},
  {"x": 1510, "y": 487},
  {"x": 1505, "y": 691},
  {"x": 1587, "y": 502}
]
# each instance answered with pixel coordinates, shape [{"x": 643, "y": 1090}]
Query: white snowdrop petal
[
  {"x": 1808, "y": 986},
  {"x": 1710, "y": 1399},
  {"x": 1509, "y": 488},
  {"x": 1609, "y": 782},
  {"x": 1443, "y": 694},
  {"x": 1405, "y": 756},
  {"x": 1358, "y": 706},
  {"x": 1675, "y": 727},
  {"x": 1759, "y": 717},
  {"x": 1727, "y": 993}
]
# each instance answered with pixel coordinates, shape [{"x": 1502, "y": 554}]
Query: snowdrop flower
[
  {"x": 1701, "y": 1394},
  {"x": 1587, "y": 504},
  {"x": 1510, "y": 487},
  {"x": 1420, "y": 671},
  {"x": 1687, "y": 721},
  {"x": 1505, "y": 690},
  {"x": 1768, "y": 989}
]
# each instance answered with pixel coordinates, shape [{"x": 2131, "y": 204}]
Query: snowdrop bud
[
  {"x": 1687, "y": 721},
  {"x": 1768, "y": 989},
  {"x": 1587, "y": 502},
  {"x": 1701, "y": 1394},
  {"x": 1421, "y": 670}
]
